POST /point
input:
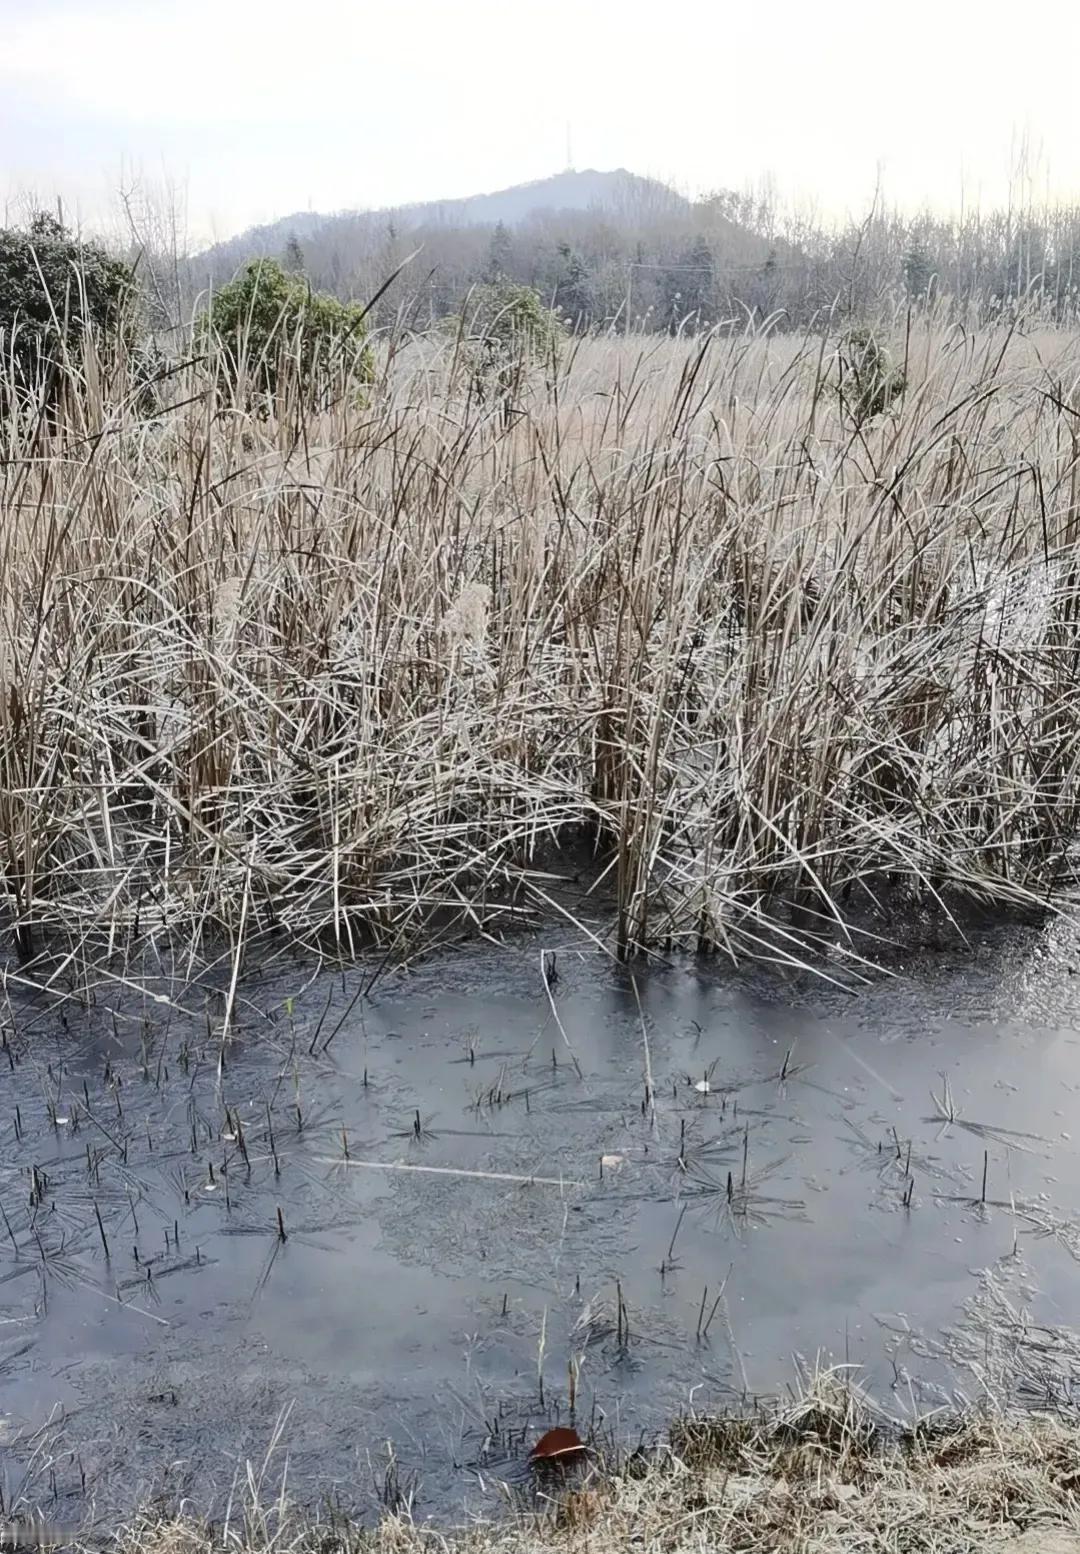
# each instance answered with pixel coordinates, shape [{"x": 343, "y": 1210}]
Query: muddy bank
[
  {"x": 823, "y": 1469},
  {"x": 405, "y": 1228}
]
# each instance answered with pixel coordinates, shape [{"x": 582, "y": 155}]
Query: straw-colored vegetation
[
  {"x": 819, "y": 1476},
  {"x": 355, "y": 665}
]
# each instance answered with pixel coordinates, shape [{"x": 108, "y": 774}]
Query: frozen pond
[{"x": 406, "y": 1226}]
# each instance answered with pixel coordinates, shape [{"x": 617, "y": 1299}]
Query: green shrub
[
  {"x": 508, "y": 331},
  {"x": 53, "y": 290},
  {"x": 269, "y": 322},
  {"x": 869, "y": 380}
]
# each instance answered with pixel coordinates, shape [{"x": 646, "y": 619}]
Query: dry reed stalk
[{"x": 479, "y": 1176}]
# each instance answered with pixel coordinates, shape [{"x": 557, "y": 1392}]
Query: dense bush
[
  {"x": 53, "y": 288},
  {"x": 508, "y": 331},
  {"x": 270, "y": 322},
  {"x": 870, "y": 380}
]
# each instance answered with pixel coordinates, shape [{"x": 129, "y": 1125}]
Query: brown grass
[{"x": 821, "y": 1475}]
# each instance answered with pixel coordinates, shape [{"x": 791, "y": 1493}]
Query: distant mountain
[
  {"x": 600, "y": 247},
  {"x": 611, "y": 193},
  {"x": 617, "y": 194}
]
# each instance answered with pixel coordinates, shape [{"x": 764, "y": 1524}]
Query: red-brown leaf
[{"x": 558, "y": 1444}]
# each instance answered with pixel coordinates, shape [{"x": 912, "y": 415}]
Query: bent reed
[{"x": 363, "y": 663}]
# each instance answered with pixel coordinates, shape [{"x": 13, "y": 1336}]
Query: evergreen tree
[
  {"x": 54, "y": 290},
  {"x": 917, "y": 272},
  {"x": 293, "y": 260},
  {"x": 690, "y": 292},
  {"x": 500, "y": 250},
  {"x": 267, "y": 323},
  {"x": 572, "y": 294}
]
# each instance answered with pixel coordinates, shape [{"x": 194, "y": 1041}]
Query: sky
[{"x": 245, "y": 110}]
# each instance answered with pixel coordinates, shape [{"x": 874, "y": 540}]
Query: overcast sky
[{"x": 258, "y": 108}]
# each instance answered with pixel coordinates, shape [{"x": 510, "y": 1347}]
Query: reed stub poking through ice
[{"x": 355, "y": 667}]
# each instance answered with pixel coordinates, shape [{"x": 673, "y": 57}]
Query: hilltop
[
  {"x": 618, "y": 195},
  {"x": 585, "y": 240}
]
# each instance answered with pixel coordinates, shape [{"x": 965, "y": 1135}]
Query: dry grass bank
[
  {"x": 818, "y": 1476},
  {"x": 346, "y": 671}
]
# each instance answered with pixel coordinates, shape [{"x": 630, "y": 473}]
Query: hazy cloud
[{"x": 264, "y": 106}]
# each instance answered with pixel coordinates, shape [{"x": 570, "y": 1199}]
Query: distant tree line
[
  {"x": 683, "y": 266},
  {"x": 655, "y": 263}
]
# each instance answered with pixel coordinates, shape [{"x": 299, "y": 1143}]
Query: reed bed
[{"x": 358, "y": 668}]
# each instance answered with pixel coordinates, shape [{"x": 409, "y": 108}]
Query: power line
[{"x": 717, "y": 269}]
